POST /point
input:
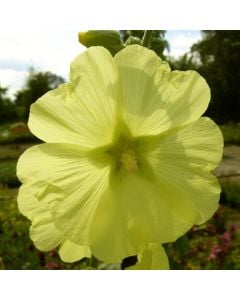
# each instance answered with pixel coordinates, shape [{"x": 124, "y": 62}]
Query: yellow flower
[{"x": 128, "y": 159}]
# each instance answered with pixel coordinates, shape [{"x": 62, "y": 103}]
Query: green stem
[{"x": 147, "y": 38}]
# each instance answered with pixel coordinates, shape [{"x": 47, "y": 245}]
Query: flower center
[
  {"x": 128, "y": 159},
  {"x": 125, "y": 153}
]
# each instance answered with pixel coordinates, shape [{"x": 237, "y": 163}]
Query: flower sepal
[{"x": 109, "y": 39}]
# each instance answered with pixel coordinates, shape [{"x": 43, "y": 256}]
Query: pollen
[{"x": 128, "y": 160}]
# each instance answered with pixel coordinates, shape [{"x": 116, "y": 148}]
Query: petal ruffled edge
[
  {"x": 156, "y": 99},
  {"x": 84, "y": 111},
  {"x": 71, "y": 252}
]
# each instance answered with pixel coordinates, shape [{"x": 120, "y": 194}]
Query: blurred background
[{"x": 31, "y": 64}]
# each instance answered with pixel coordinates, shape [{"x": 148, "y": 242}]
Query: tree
[
  {"x": 184, "y": 62},
  {"x": 37, "y": 84},
  {"x": 218, "y": 53},
  {"x": 7, "y": 112},
  {"x": 158, "y": 42}
]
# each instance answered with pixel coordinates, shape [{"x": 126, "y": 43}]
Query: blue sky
[
  {"x": 54, "y": 50},
  {"x": 181, "y": 40}
]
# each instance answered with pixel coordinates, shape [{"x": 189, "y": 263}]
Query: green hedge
[
  {"x": 231, "y": 133},
  {"x": 230, "y": 195},
  {"x": 8, "y": 174}
]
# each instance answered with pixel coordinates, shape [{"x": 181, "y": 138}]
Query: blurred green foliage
[
  {"x": 219, "y": 52},
  {"x": 7, "y": 111},
  {"x": 211, "y": 246},
  {"x": 37, "y": 84},
  {"x": 8, "y": 174},
  {"x": 231, "y": 133},
  {"x": 184, "y": 62},
  {"x": 158, "y": 43},
  {"x": 216, "y": 57},
  {"x": 11, "y": 136},
  {"x": 230, "y": 194}
]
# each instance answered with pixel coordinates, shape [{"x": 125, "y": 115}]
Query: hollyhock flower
[{"x": 127, "y": 160}]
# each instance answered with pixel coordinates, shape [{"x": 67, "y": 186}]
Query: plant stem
[{"x": 147, "y": 38}]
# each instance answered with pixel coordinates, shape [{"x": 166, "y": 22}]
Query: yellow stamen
[{"x": 129, "y": 160}]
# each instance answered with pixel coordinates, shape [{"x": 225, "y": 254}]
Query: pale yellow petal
[
  {"x": 69, "y": 181},
  {"x": 71, "y": 252},
  {"x": 130, "y": 214},
  {"x": 82, "y": 112},
  {"x": 153, "y": 257},
  {"x": 43, "y": 231},
  {"x": 183, "y": 161},
  {"x": 156, "y": 99}
]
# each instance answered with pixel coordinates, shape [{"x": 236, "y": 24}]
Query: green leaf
[
  {"x": 110, "y": 39},
  {"x": 133, "y": 40}
]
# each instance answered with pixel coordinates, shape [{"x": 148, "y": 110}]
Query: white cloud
[
  {"x": 12, "y": 79},
  {"x": 46, "y": 48},
  {"x": 50, "y": 51},
  {"x": 181, "y": 42}
]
